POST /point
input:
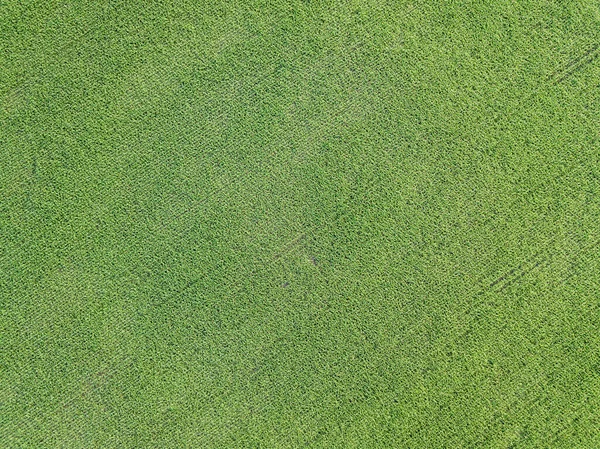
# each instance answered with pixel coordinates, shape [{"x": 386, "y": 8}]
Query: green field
[{"x": 300, "y": 224}]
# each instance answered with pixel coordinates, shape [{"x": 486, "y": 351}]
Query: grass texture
[{"x": 289, "y": 224}]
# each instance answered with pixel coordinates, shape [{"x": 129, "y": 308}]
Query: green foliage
[{"x": 299, "y": 224}]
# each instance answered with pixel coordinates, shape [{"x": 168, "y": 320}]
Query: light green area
[{"x": 336, "y": 224}]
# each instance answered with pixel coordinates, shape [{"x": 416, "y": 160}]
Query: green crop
[{"x": 288, "y": 224}]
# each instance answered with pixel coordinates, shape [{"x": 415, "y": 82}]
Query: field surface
[{"x": 300, "y": 224}]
